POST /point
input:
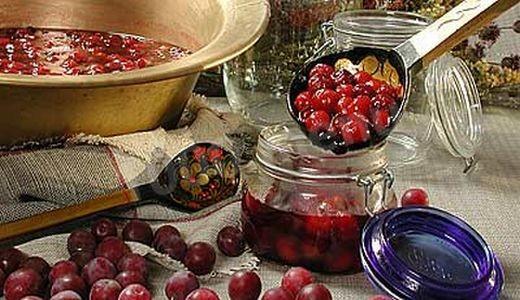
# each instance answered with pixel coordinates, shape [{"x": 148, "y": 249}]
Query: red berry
[
  {"x": 337, "y": 123},
  {"x": 135, "y": 292},
  {"x": 326, "y": 100},
  {"x": 202, "y": 294},
  {"x": 342, "y": 77},
  {"x": 362, "y": 105},
  {"x": 296, "y": 278},
  {"x": 103, "y": 228},
  {"x": 321, "y": 69},
  {"x": 200, "y": 258},
  {"x": 382, "y": 101},
  {"x": 138, "y": 231},
  {"x": 346, "y": 228},
  {"x": 142, "y": 63},
  {"x": 38, "y": 264},
  {"x": 126, "y": 278},
  {"x": 355, "y": 131},
  {"x": 81, "y": 240},
  {"x": 415, "y": 197},
  {"x": 61, "y": 269},
  {"x": 106, "y": 289},
  {"x": 381, "y": 297},
  {"x": 343, "y": 104},
  {"x": 81, "y": 258},
  {"x": 69, "y": 282},
  {"x": 381, "y": 119},
  {"x": 314, "y": 291},
  {"x": 303, "y": 101},
  {"x": 113, "y": 249},
  {"x": 244, "y": 285},
  {"x": 373, "y": 84},
  {"x": 288, "y": 249},
  {"x": 346, "y": 90},
  {"x": 363, "y": 90},
  {"x": 66, "y": 295},
  {"x": 174, "y": 246},
  {"x": 21, "y": 283},
  {"x": 317, "y": 121},
  {"x": 277, "y": 294},
  {"x": 39, "y": 298},
  {"x": 98, "y": 268},
  {"x": 387, "y": 90},
  {"x": 230, "y": 241},
  {"x": 181, "y": 284},
  {"x": 164, "y": 233},
  {"x": 11, "y": 259},
  {"x": 318, "y": 82},
  {"x": 362, "y": 77},
  {"x": 133, "y": 262}
]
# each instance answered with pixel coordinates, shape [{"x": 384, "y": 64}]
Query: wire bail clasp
[{"x": 368, "y": 183}]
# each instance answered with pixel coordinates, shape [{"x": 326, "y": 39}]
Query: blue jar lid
[{"x": 427, "y": 253}]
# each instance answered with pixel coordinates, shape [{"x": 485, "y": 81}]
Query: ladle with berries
[{"x": 352, "y": 99}]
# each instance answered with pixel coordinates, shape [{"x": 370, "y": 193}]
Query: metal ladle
[{"x": 407, "y": 59}]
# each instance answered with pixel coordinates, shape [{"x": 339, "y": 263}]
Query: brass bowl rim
[{"x": 223, "y": 48}]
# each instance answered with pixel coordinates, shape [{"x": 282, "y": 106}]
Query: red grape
[
  {"x": 21, "y": 283},
  {"x": 133, "y": 262},
  {"x": 230, "y": 241},
  {"x": 200, "y": 258},
  {"x": 138, "y": 231},
  {"x": 103, "y": 228},
  {"x": 244, "y": 285},
  {"x": 81, "y": 258},
  {"x": 34, "y": 298},
  {"x": 180, "y": 284},
  {"x": 11, "y": 259},
  {"x": 296, "y": 278},
  {"x": 321, "y": 69},
  {"x": 164, "y": 232},
  {"x": 174, "y": 246},
  {"x": 69, "y": 282},
  {"x": 113, "y": 249},
  {"x": 98, "y": 268},
  {"x": 314, "y": 291},
  {"x": 135, "y": 292},
  {"x": 62, "y": 268},
  {"x": 105, "y": 289},
  {"x": 202, "y": 294},
  {"x": 66, "y": 295},
  {"x": 277, "y": 294},
  {"x": 126, "y": 278},
  {"x": 2, "y": 280},
  {"x": 81, "y": 240},
  {"x": 415, "y": 197},
  {"x": 38, "y": 264}
]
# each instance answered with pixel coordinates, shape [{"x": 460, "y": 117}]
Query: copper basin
[{"x": 38, "y": 107}]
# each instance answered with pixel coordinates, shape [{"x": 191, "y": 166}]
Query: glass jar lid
[
  {"x": 456, "y": 106},
  {"x": 427, "y": 253}
]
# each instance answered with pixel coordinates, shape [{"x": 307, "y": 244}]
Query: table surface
[{"x": 487, "y": 199}]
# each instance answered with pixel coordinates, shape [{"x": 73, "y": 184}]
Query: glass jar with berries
[
  {"x": 444, "y": 99},
  {"x": 256, "y": 82},
  {"x": 307, "y": 206}
]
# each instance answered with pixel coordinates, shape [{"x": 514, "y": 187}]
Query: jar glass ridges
[
  {"x": 257, "y": 81},
  {"x": 308, "y": 207}
]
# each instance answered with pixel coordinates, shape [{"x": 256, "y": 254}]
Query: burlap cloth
[{"x": 487, "y": 198}]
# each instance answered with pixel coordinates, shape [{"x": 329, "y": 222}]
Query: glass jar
[
  {"x": 444, "y": 98},
  {"x": 257, "y": 81},
  {"x": 306, "y": 206}
]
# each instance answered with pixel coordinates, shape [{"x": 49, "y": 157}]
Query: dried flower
[
  {"x": 512, "y": 62},
  {"x": 370, "y": 4},
  {"x": 490, "y": 34},
  {"x": 475, "y": 53},
  {"x": 461, "y": 46}
]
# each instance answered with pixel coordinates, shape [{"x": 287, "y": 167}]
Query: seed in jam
[{"x": 39, "y": 51}]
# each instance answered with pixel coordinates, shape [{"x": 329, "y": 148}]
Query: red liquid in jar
[
  {"x": 320, "y": 235},
  {"x": 36, "y": 51}
]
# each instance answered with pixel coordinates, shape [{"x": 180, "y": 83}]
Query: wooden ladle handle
[
  {"x": 449, "y": 30},
  {"x": 62, "y": 215}
]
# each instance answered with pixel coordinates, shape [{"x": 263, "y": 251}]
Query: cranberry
[
  {"x": 388, "y": 91},
  {"x": 126, "y": 278},
  {"x": 362, "y": 77},
  {"x": 98, "y": 268},
  {"x": 303, "y": 101},
  {"x": 342, "y": 77},
  {"x": 415, "y": 197},
  {"x": 66, "y": 295},
  {"x": 304, "y": 115},
  {"x": 381, "y": 101},
  {"x": 321, "y": 69},
  {"x": 103, "y": 228},
  {"x": 346, "y": 227},
  {"x": 106, "y": 289},
  {"x": 113, "y": 249},
  {"x": 314, "y": 291},
  {"x": 69, "y": 282},
  {"x": 296, "y": 278},
  {"x": 142, "y": 63},
  {"x": 38, "y": 264},
  {"x": 81, "y": 240},
  {"x": 202, "y": 294},
  {"x": 346, "y": 90},
  {"x": 230, "y": 241},
  {"x": 21, "y": 283},
  {"x": 381, "y": 119},
  {"x": 317, "y": 121},
  {"x": 343, "y": 104},
  {"x": 200, "y": 258},
  {"x": 362, "y": 105},
  {"x": 180, "y": 284},
  {"x": 133, "y": 262},
  {"x": 138, "y": 231},
  {"x": 244, "y": 285},
  {"x": 325, "y": 100},
  {"x": 318, "y": 82},
  {"x": 163, "y": 233},
  {"x": 135, "y": 292},
  {"x": 11, "y": 259},
  {"x": 355, "y": 131},
  {"x": 61, "y": 269},
  {"x": 277, "y": 294},
  {"x": 81, "y": 258},
  {"x": 287, "y": 249}
]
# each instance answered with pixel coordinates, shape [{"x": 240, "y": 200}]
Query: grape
[{"x": 180, "y": 284}]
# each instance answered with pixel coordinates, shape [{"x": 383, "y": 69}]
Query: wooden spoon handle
[
  {"x": 62, "y": 215},
  {"x": 449, "y": 30}
]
